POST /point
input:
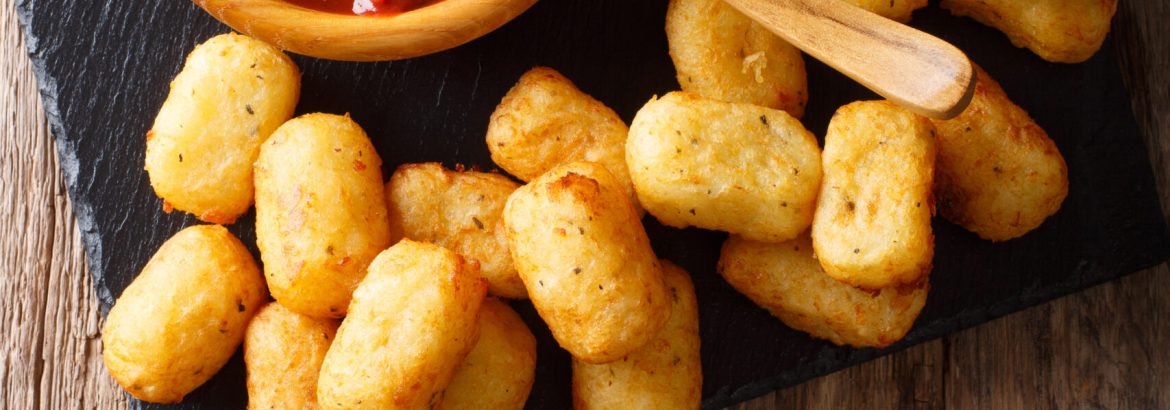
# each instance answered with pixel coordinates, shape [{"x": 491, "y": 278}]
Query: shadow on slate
[{"x": 104, "y": 69}]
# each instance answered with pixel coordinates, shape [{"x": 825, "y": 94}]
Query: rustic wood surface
[{"x": 1100, "y": 348}]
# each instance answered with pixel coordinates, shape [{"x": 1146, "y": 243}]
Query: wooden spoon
[{"x": 911, "y": 68}]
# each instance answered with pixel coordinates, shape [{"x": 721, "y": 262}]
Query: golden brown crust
[
  {"x": 720, "y": 53},
  {"x": 872, "y": 223},
  {"x": 545, "y": 121},
  {"x": 283, "y": 351},
  {"x": 786, "y": 279},
  {"x": 232, "y": 93},
  {"x": 1061, "y": 31},
  {"x": 320, "y": 212},
  {"x": 733, "y": 167},
  {"x": 580, "y": 248},
  {"x": 461, "y": 211},
  {"x": 666, "y": 373},
  {"x": 182, "y": 318},
  {"x": 998, "y": 174},
  {"x": 500, "y": 370},
  {"x": 412, "y": 321}
]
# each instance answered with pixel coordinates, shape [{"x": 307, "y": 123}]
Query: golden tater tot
[
  {"x": 580, "y": 248},
  {"x": 232, "y": 93},
  {"x": 664, "y": 374},
  {"x": 283, "y": 351},
  {"x": 720, "y": 53},
  {"x": 412, "y": 321},
  {"x": 545, "y": 121},
  {"x": 499, "y": 372},
  {"x": 320, "y": 212},
  {"x": 872, "y": 223},
  {"x": 998, "y": 174},
  {"x": 738, "y": 168},
  {"x": 1060, "y": 31},
  {"x": 183, "y": 317},
  {"x": 897, "y": 10},
  {"x": 461, "y": 211},
  {"x": 786, "y": 279}
]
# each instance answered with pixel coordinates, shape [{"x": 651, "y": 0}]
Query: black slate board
[{"x": 104, "y": 67}]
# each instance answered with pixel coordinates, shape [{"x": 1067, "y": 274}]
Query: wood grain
[
  {"x": 1100, "y": 348},
  {"x": 50, "y": 327},
  {"x": 909, "y": 67}
]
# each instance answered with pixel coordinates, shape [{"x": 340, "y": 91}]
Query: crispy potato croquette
[
  {"x": 664, "y": 374},
  {"x": 461, "y": 211},
  {"x": 232, "y": 93},
  {"x": 998, "y": 174},
  {"x": 283, "y": 351},
  {"x": 720, "y": 53},
  {"x": 182, "y": 318},
  {"x": 320, "y": 212},
  {"x": 412, "y": 321},
  {"x": 738, "y": 168},
  {"x": 1060, "y": 31},
  {"x": 580, "y": 248},
  {"x": 872, "y": 223},
  {"x": 545, "y": 121},
  {"x": 897, "y": 10},
  {"x": 786, "y": 279},
  {"x": 500, "y": 370}
]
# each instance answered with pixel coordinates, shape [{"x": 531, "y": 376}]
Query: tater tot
[
  {"x": 998, "y": 174},
  {"x": 1060, "y": 31},
  {"x": 872, "y": 223},
  {"x": 182, "y": 318},
  {"x": 664, "y": 374},
  {"x": 897, "y": 10},
  {"x": 720, "y": 53},
  {"x": 499, "y": 372},
  {"x": 545, "y": 121},
  {"x": 320, "y": 212},
  {"x": 232, "y": 93},
  {"x": 461, "y": 211},
  {"x": 786, "y": 279},
  {"x": 580, "y": 248},
  {"x": 733, "y": 167},
  {"x": 283, "y": 351},
  {"x": 412, "y": 322}
]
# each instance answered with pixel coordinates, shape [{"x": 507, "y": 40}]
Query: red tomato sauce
[{"x": 364, "y": 7}]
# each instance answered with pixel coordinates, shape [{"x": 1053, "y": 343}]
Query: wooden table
[{"x": 1106, "y": 347}]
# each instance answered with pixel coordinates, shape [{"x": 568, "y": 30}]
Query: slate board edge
[{"x": 67, "y": 157}]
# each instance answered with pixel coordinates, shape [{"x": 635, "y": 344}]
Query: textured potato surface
[
  {"x": 897, "y": 10},
  {"x": 545, "y": 121},
  {"x": 182, "y": 318},
  {"x": 720, "y": 53},
  {"x": 872, "y": 223},
  {"x": 664, "y": 374},
  {"x": 580, "y": 248},
  {"x": 732, "y": 167},
  {"x": 786, "y": 279},
  {"x": 283, "y": 351},
  {"x": 232, "y": 93},
  {"x": 500, "y": 370},
  {"x": 998, "y": 174},
  {"x": 320, "y": 212},
  {"x": 413, "y": 319},
  {"x": 1061, "y": 31},
  {"x": 461, "y": 211}
]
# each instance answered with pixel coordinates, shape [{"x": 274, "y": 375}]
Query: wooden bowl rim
[{"x": 435, "y": 27}]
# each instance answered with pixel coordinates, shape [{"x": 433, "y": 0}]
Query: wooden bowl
[{"x": 426, "y": 30}]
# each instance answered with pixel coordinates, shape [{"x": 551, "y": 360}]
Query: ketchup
[{"x": 364, "y": 7}]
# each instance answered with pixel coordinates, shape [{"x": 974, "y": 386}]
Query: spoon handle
[{"x": 913, "y": 69}]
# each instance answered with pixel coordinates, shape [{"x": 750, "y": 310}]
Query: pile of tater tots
[{"x": 393, "y": 292}]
